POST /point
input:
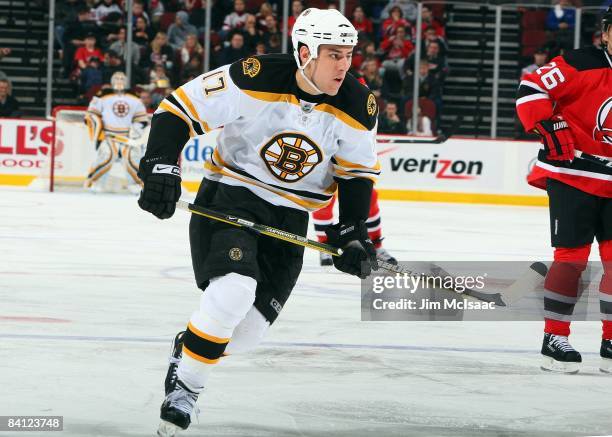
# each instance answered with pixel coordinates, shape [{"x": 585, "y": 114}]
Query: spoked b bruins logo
[
  {"x": 371, "y": 105},
  {"x": 251, "y": 67},
  {"x": 291, "y": 156}
]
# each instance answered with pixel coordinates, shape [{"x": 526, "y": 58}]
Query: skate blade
[
  {"x": 606, "y": 365},
  {"x": 167, "y": 429},
  {"x": 551, "y": 365}
]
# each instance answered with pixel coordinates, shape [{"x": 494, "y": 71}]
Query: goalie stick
[{"x": 321, "y": 247}]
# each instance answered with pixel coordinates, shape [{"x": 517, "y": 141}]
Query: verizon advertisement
[{"x": 457, "y": 165}]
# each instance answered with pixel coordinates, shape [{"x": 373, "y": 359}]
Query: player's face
[
  {"x": 607, "y": 38},
  {"x": 330, "y": 67}
]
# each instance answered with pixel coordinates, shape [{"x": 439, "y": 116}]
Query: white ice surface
[{"x": 92, "y": 290}]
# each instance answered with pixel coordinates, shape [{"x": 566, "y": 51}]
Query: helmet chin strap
[{"x": 308, "y": 81}]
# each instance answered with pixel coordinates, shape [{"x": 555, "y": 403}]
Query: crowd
[{"x": 168, "y": 40}]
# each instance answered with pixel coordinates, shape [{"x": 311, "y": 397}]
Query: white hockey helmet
[
  {"x": 119, "y": 81},
  {"x": 321, "y": 26}
]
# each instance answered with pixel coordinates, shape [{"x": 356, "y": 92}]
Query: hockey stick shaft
[
  {"x": 260, "y": 229},
  {"x": 592, "y": 158},
  {"x": 305, "y": 242}
]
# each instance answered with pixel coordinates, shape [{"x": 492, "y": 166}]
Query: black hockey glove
[
  {"x": 358, "y": 253},
  {"x": 162, "y": 186}
]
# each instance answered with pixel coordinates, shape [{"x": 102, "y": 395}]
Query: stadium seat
[
  {"x": 534, "y": 20},
  {"x": 428, "y": 108},
  {"x": 531, "y": 40},
  {"x": 166, "y": 20}
]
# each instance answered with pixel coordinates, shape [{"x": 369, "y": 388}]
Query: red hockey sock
[
  {"x": 605, "y": 287},
  {"x": 562, "y": 279},
  {"x": 557, "y": 327}
]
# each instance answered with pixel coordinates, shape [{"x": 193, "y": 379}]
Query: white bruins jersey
[
  {"x": 114, "y": 112},
  {"x": 284, "y": 145}
]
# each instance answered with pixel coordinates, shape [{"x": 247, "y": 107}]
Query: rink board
[{"x": 459, "y": 170}]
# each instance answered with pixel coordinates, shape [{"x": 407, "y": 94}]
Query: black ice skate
[
  {"x": 606, "y": 356},
  {"x": 180, "y": 401},
  {"x": 559, "y": 355}
]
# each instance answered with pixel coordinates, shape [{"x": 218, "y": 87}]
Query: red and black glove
[{"x": 557, "y": 138}]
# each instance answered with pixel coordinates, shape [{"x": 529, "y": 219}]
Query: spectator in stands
[
  {"x": 561, "y": 17},
  {"x": 143, "y": 34},
  {"x": 158, "y": 78},
  {"x": 396, "y": 20},
  {"x": 74, "y": 37},
  {"x": 235, "y": 51},
  {"x": 271, "y": 32},
  {"x": 296, "y": 9},
  {"x": 250, "y": 32},
  {"x": 178, "y": 31},
  {"x": 156, "y": 9},
  {"x": 371, "y": 75},
  {"x": 9, "y": 106},
  {"x": 260, "y": 48},
  {"x": 4, "y": 51},
  {"x": 408, "y": 8},
  {"x": 275, "y": 44},
  {"x": 362, "y": 23},
  {"x": 196, "y": 11},
  {"x": 264, "y": 10},
  {"x": 191, "y": 49},
  {"x": 560, "y": 21},
  {"x": 91, "y": 76},
  {"x": 540, "y": 57},
  {"x": 424, "y": 127},
  {"x": 429, "y": 87},
  {"x": 235, "y": 20},
  {"x": 112, "y": 64},
  {"x": 192, "y": 69},
  {"x": 438, "y": 64},
  {"x": 396, "y": 49},
  {"x": 428, "y": 20},
  {"x": 389, "y": 121},
  {"x": 138, "y": 11},
  {"x": 147, "y": 101},
  {"x": 429, "y": 36},
  {"x": 120, "y": 47},
  {"x": 65, "y": 12},
  {"x": 105, "y": 8},
  {"x": 84, "y": 53},
  {"x": 159, "y": 52}
]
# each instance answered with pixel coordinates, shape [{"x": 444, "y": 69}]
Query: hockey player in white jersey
[
  {"x": 116, "y": 120},
  {"x": 292, "y": 136}
]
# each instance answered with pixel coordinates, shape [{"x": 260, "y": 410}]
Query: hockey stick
[
  {"x": 321, "y": 247},
  {"x": 260, "y": 229}
]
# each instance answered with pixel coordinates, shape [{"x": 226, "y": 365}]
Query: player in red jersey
[{"x": 568, "y": 103}]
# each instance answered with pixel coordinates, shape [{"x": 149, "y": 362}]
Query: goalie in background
[{"x": 116, "y": 119}]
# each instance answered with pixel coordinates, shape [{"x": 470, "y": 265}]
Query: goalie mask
[{"x": 119, "y": 81}]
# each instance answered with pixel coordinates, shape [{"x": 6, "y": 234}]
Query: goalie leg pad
[
  {"x": 131, "y": 160},
  {"x": 106, "y": 155}
]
